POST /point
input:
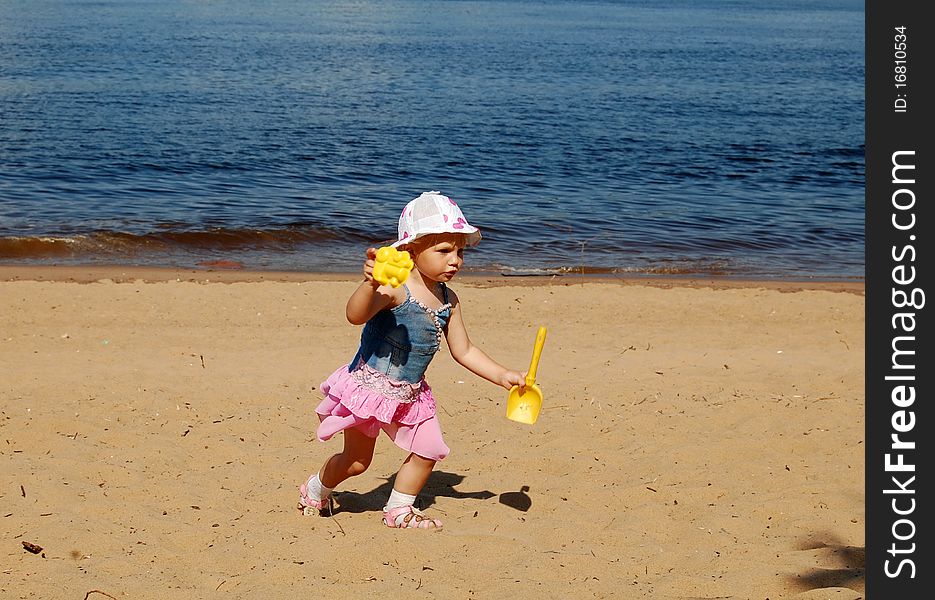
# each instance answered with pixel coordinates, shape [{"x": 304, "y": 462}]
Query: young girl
[{"x": 383, "y": 387}]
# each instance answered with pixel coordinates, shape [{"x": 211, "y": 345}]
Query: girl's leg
[
  {"x": 413, "y": 474},
  {"x": 399, "y": 511},
  {"x": 353, "y": 460}
]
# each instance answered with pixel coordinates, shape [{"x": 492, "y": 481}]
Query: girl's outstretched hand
[
  {"x": 369, "y": 299},
  {"x": 511, "y": 378}
]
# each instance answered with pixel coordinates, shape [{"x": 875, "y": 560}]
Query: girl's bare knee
[
  {"x": 421, "y": 461},
  {"x": 357, "y": 467}
]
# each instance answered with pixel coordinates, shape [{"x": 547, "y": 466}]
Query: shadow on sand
[
  {"x": 519, "y": 500},
  {"x": 846, "y": 570},
  {"x": 440, "y": 483}
]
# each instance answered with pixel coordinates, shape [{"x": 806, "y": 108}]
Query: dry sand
[{"x": 699, "y": 439}]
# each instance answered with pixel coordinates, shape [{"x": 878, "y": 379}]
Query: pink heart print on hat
[{"x": 431, "y": 213}]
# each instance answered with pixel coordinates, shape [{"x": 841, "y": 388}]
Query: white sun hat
[{"x": 431, "y": 213}]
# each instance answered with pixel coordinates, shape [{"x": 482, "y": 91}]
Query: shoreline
[{"x": 129, "y": 273}]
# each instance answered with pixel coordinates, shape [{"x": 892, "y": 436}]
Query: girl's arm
[
  {"x": 370, "y": 297},
  {"x": 473, "y": 358}
]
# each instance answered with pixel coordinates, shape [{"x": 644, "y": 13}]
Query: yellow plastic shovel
[{"x": 524, "y": 407}]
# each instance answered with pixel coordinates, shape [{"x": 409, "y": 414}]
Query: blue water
[{"x": 674, "y": 137}]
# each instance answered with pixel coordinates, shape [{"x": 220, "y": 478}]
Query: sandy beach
[{"x": 699, "y": 439}]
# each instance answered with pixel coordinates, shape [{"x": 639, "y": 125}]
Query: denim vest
[{"x": 400, "y": 342}]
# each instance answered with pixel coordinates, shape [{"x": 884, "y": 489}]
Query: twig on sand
[
  {"x": 97, "y": 592},
  {"x": 338, "y": 524},
  {"x": 30, "y": 547}
]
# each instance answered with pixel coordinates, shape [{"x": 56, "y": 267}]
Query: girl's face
[{"x": 440, "y": 257}]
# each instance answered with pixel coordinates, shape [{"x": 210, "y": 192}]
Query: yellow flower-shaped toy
[{"x": 392, "y": 266}]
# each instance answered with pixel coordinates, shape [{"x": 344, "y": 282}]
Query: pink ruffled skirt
[{"x": 363, "y": 403}]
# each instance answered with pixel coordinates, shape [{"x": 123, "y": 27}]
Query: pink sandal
[
  {"x": 310, "y": 506},
  {"x": 413, "y": 519}
]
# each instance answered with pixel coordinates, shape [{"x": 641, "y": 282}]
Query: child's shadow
[{"x": 440, "y": 483}]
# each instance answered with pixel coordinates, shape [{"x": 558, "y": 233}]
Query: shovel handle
[{"x": 536, "y": 353}]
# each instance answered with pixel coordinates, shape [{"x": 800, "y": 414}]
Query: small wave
[
  {"x": 681, "y": 268},
  {"x": 115, "y": 243},
  {"x": 37, "y": 247}
]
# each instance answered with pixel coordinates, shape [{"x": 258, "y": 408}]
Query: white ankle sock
[
  {"x": 315, "y": 489},
  {"x": 398, "y": 499}
]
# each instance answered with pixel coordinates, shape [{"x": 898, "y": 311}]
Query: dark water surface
[{"x": 703, "y": 137}]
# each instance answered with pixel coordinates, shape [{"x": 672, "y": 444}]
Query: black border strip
[{"x": 899, "y": 267}]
